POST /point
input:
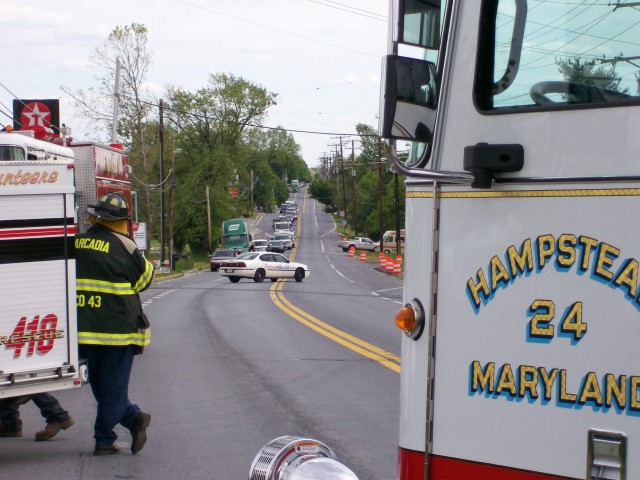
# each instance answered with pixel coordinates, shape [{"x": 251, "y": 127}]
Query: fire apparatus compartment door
[
  {"x": 38, "y": 340},
  {"x": 538, "y": 320}
]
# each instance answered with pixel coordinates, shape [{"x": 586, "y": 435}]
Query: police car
[{"x": 261, "y": 265}]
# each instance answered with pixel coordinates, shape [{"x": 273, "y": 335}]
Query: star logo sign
[{"x": 35, "y": 114}]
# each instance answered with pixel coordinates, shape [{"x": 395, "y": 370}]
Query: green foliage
[
  {"x": 373, "y": 184},
  {"x": 575, "y": 70},
  {"x": 323, "y": 191}
]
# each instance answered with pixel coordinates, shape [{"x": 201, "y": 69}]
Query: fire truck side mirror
[{"x": 409, "y": 91}]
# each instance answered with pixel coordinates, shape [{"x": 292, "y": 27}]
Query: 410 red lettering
[{"x": 38, "y": 334}]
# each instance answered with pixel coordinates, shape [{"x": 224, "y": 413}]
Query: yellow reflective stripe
[
  {"x": 90, "y": 285},
  {"x": 146, "y": 277},
  {"x": 142, "y": 338}
]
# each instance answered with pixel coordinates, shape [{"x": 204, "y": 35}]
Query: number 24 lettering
[{"x": 543, "y": 311}]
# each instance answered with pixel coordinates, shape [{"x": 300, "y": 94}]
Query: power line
[
  {"x": 244, "y": 20},
  {"x": 264, "y": 127},
  {"x": 353, "y": 10}
]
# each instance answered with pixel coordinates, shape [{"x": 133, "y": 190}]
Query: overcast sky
[{"x": 322, "y": 57}]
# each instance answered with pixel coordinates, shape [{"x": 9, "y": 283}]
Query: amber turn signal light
[
  {"x": 410, "y": 319},
  {"x": 406, "y": 319}
]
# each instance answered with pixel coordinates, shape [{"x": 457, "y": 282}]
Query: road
[{"x": 233, "y": 366}]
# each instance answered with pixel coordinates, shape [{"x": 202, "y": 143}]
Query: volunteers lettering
[{"x": 31, "y": 178}]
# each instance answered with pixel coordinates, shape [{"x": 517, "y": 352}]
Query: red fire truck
[{"x": 517, "y": 125}]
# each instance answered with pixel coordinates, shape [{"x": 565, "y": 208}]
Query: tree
[
  {"x": 221, "y": 112},
  {"x": 211, "y": 127},
  {"x": 575, "y": 70},
  {"x": 127, "y": 44}
]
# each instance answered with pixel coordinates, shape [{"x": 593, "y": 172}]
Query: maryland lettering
[{"x": 621, "y": 392}]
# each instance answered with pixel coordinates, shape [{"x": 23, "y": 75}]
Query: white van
[{"x": 389, "y": 241}]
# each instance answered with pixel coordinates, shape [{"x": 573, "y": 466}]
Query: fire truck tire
[{"x": 234, "y": 279}]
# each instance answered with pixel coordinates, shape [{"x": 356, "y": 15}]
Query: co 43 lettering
[
  {"x": 92, "y": 301},
  {"x": 543, "y": 313}
]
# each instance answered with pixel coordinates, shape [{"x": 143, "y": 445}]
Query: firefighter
[
  {"x": 112, "y": 329},
  {"x": 57, "y": 417}
]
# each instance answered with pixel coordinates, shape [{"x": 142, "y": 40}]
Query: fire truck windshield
[
  {"x": 11, "y": 152},
  {"x": 558, "y": 54}
]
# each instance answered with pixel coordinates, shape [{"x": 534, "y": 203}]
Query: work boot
[
  {"x": 139, "y": 432},
  {"x": 52, "y": 429},
  {"x": 10, "y": 432},
  {"x": 101, "y": 450}
]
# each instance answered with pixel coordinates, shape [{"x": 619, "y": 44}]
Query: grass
[{"x": 186, "y": 263}]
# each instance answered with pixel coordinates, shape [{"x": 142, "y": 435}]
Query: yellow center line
[{"x": 368, "y": 350}]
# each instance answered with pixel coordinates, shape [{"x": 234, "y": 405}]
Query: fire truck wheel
[{"x": 234, "y": 279}]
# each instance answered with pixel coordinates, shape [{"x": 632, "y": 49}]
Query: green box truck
[{"x": 236, "y": 234}]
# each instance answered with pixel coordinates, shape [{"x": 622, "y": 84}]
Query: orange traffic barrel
[
  {"x": 397, "y": 268},
  {"x": 390, "y": 268},
  {"x": 363, "y": 256},
  {"x": 352, "y": 249}
]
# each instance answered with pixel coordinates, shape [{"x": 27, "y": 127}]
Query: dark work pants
[
  {"x": 109, "y": 372},
  {"x": 49, "y": 407}
]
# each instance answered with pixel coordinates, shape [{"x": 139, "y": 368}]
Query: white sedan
[{"x": 261, "y": 265}]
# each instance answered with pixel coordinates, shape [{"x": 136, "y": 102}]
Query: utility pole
[
  {"x": 162, "y": 240},
  {"x": 344, "y": 187},
  {"x": 380, "y": 195},
  {"x": 353, "y": 183},
  {"x": 116, "y": 104},
  {"x": 340, "y": 158},
  {"x": 397, "y": 208},
  {"x": 208, "y": 221},
  {"x": 251, "y": 195},
  {"x": 171, "y": 194}
]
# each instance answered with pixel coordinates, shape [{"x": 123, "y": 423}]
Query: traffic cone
[
  {"x": 397, "y": 268},
  {"x": 390, "y": 267},
  {"x": 363, "y": 256},
  {"x": 383, "y": 261},
  {"x": 352, "y": 249}
]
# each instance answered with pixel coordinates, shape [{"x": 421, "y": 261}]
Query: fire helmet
[{"x": 111, "y": 206}]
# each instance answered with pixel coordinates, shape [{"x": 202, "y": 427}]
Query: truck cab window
[
  {"x": 558, "y": 55},
  {"x": 8, "y": 152}
]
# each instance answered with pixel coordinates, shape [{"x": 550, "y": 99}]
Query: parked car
[
  {"x": 359, "y": 243},
  {"x": 219, "y": 256},
  {"x": 258, "y": 245},
  {"x": 276, "y": 246},
  {"x": 389, "y": 241},
  {"x": 261, "y": 265}
]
